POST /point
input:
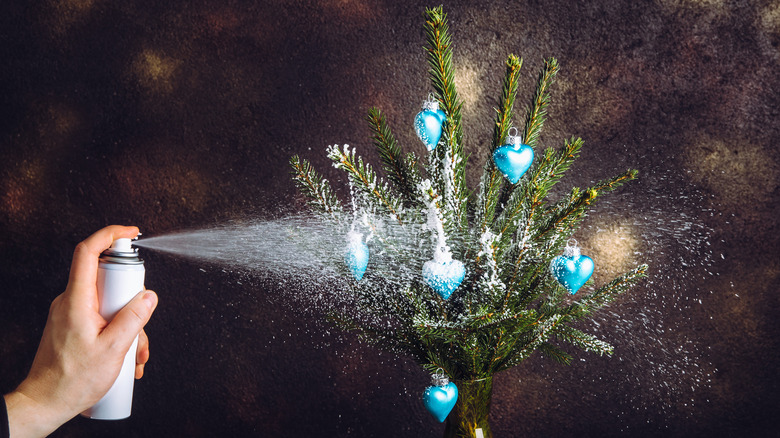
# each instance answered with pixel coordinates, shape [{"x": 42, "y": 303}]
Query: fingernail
[{"x": 150, "y": 299}]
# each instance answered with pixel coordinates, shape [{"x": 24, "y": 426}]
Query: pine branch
[
  {"x": 555, "y": 353},
  {"x": 316, "y": 188},
  {"x": 530, "y": 343},
  {"x": 365, "y": 179},
  {"x": 613, "y": 183},
  {"x": 583, "y": 340},
  {"x": 398, "y": 170},
  {"x": 537, "y": 110},
  {"x": 442, "y": 75},
  {"x": 491, "y": 180},
  {"x": 524, "y": 203},
  {"x": 566, "y": 215},
  {"x": 606, "y": 294},
  {"x": 509, "y": 304}
]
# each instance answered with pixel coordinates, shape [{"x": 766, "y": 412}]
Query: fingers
[
  {"x": 142, "y": 355},
  {"x": 127, "y": 324},
  {"x": 83, "y": 270}
]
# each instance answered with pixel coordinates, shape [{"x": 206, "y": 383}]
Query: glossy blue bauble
[
  {"x": 356, "y": 258},
  {"x": 428, "y": 125},
  {"x": 513, "y": 160},
  {"x": 444, "y": 277},
  {"x": 572, "y": 271},
  {"x": 439, "y": 400}
]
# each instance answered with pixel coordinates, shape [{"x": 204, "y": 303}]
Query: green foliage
[
  {"x": 506, "y": 234},
  {"x": 492, "y": 180},
  {"x": 401, "y": 172},
  {"x": 315, "y": 188}
]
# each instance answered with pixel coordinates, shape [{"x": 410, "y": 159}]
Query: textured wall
[{"x": 176, "y": 115}]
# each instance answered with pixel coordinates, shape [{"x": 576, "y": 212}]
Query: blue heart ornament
[
  {"x": 356, "y": 256},
  {"x": 513, "y": 160},
  {"x": 428, "y": 125},
  {"x": 572, "y": 271},
  {"x": 443, "y": 277},
  {"x": 439, "y": 400}
]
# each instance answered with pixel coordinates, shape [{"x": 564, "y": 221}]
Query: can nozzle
[
  {"x": 122, "y": 252},
  {"x": 122, "y": 245}
]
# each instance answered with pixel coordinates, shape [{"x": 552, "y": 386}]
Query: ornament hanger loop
[
  {"x": 571, "y": 250},
  {"x": 439, "y": 378},
  {"x": 431, "y": 104},
  {"x": 511, "y": 138}
]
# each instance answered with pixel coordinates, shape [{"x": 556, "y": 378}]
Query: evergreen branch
[
  {"x": 537, "y": 110},
  {"x": 512, "y": 322},
  {"x": 314, "y": 187},
  {"x": 366, "y": 180},
  {"x": 555, "y": 353},
  {"x": 583, "y": 340},
  {"x": 525, "y": 201},
  {"x": 510, "y": 305},
  {"x": 507, "y": 101},
  {"x": 442, "y": 75},
  {"x": 565, "y": 215},
  {"x": 531, "y": 343},
  {"x": 491, "y": 180},
  {"x": 606, "y": 294},
  {"x": 398, "y": 170},
  {"x": 613, "y": 183}
]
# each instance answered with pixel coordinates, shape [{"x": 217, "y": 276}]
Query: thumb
[{"x": 122, "y": 330}]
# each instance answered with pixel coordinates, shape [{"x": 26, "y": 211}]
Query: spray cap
[
  {"x": 122, "y": 252},
  {"x": 122, "y": 245}
]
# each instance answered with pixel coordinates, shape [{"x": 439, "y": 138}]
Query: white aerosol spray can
[{"x": 120, "y": 278}]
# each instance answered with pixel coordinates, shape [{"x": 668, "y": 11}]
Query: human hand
[{"x": 80, "y": 354}]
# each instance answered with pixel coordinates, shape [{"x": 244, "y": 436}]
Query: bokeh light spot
[{"x": 155, "y": 71}]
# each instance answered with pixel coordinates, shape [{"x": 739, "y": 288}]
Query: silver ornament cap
[
  {"x": 513, "y": 139},
  {"x": 571, "y": 250},
  {"x": 440, "y": 380},
  {"x": 430, "y": 104}
]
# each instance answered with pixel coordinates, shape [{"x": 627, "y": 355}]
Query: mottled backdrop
[{"x": 182, "y": 114}]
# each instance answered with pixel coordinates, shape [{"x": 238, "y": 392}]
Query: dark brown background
[{"x": 178, "y": 115}]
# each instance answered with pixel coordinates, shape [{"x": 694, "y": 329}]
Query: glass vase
[{"x": 469, "y": 417}]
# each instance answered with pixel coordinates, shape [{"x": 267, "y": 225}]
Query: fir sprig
[
  {"x": 536, "y": 112},
  {"x": 585, "y": 341},
  {"x": 376, "y": 191},
  {"x": 490, "y": 183},
  {"x": 315, "y": 187},
  {"x": 442, "y": 75},
  {"x": 402, "y": 172},
  {"x": 606, "y": 294}
]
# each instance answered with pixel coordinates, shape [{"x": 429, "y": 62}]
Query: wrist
[{"x": 28, "y": 418}]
